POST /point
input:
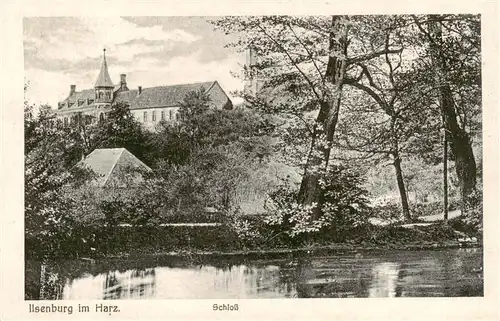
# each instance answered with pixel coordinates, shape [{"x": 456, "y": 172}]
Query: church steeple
[{"x": 104, "y": 86}]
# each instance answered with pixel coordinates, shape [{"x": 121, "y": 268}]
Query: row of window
[
  {"x": 163, "y": 116},
  {"x": 79, "y": 102},
  {"x": 87, "y": 119},
  {"x": 81, "y": 119}
]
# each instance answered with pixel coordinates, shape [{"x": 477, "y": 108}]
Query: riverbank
[
  {"x": 97, "y": 242},
  {"x": 332, "y": 249}
]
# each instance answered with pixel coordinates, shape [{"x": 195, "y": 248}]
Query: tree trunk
[
  {"x": 459, "y": 140},
  {"x": 327, "y": 118},
  {"x": 402, "y": 189},
  {"x": 460, "y": 145},
  {"x": 445, "y": 176},
  {"x": 399, "y": 178}
]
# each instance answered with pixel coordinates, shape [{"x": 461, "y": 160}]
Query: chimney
[
  {"x": 140, "y": 90},
  {"x": 72, "y": 89},
  {"x": 123, "y": 80}
]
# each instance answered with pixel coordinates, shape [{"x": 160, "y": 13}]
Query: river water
[{"x": 426, "y": 273}]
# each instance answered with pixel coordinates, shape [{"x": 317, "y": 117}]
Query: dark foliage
[
  {"x": 344, "y": 208},
  {"x": 121, "y": 130}
]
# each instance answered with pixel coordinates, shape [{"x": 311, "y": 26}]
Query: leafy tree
[
  {"x": 120, "y": 130},
  {"x": 406, "y": 119},
  {"x": 304, "y": 62},
  {"x": 199, "y": 160},
  {"x": 48, "y": 170},
  {"x": 389, "y": 124},
  {"x": 202, "y": 127},
  {"x": 453, "y": 55}
]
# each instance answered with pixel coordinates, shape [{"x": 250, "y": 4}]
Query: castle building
[{"x": 148, "y": 105}]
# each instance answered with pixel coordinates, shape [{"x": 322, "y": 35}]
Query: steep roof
[
  {"x": 103, "y": 80},
  {"x": 161, "y": 96},
  {"x": 86, "y": 98},
  {"x": 112, "y": 165},
  {"x": 165, "y": 96}
]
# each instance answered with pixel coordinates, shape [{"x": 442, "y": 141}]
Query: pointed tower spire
[{"x": 103, "y": 80}]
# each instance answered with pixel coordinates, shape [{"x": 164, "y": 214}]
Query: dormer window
[
  {"x": 89, "y": 101},
  {"x": 70, "y": 103},
  {"x": 80, "y": 102},
  {"x": 61, "y": 104}
]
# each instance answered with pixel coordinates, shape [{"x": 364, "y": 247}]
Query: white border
[{"x": 12, "y": 304}]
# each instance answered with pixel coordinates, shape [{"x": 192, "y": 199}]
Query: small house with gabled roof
[
  {"x": 114, "y": 167},
  {"x": 148, "y": 105}
]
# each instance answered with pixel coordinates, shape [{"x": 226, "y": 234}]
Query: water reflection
[
  {"x": 169, "y": 283},
  {"x": 130, "y": 284},
  {"x": 384, "y": 280},
  {"x": 394, "y": 274}
]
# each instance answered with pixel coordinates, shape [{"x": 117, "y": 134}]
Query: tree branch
[
  {"x": 419, "y": 26},
  {"x": 373, "y": 94},
  {"x": 311, "y": 84},
  {"x": 308, "y": 52},
  {"x": 372, "y": 55},
  {"x": 391, "y": 71}
]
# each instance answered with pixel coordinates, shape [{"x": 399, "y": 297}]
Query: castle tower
[
  {"x": 252, "y": 83},
  {"x": 104, "y": 86}
]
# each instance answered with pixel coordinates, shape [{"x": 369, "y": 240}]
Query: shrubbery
[
  {"x": 390, "y": 212},
  {"x": 398, "y": 235},
  {"x": 474, "y": 211},
  {"x": 95, "y": 241},
  {"x": 344, "y": 208}
]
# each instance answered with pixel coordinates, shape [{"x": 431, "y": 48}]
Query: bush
[
  {"x": 398, "y": 235},
  {"x": 427, "y": 209},
  {"x": 474, "y": 211},
  {"x": 243, "y": 226},
  {"x": 94, "y": 241},
  {"x": 434, "y": 208},
  {"x": 344, "y": 208},
  {"x": 390, "y": 212}
]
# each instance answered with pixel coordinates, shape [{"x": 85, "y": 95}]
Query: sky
[{"x": 151, "y": 51}]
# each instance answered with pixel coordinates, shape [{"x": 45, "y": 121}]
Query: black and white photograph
[{"x": 253, "y": 157}]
